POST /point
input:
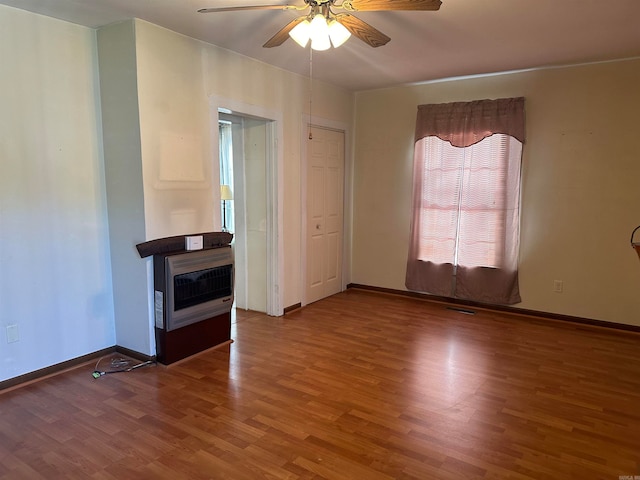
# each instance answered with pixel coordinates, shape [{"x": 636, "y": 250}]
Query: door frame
[
  {"x": 347, "y": 217},
  {"x": 275, "y": 183}
]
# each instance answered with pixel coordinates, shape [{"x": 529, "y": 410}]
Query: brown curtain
[{"x": 465, "y": 124}]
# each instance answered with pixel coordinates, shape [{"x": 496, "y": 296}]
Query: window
[
  {"x": 465, "y": 228},
  {"x": 226, "y": 172},
  {"x": 464, "y": 199}
]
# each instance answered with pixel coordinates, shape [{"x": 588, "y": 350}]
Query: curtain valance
[{"x": 465, "y": 123}]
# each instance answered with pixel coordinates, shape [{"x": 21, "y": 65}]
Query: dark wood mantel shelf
[{"x": 177, "y": 243}]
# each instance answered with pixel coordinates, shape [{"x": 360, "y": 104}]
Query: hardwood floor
[{"x": 357, "y": 386}]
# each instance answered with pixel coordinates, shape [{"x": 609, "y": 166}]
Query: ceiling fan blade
[
  {"x": 250, "y": 7},
  {"x": 280, "y": 37},
  {"x": 379, "y": 5},
  {"x": 362, "y": 30}
]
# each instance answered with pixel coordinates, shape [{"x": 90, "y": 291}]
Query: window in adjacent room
[
  {"x": 466, "y": 200},
  {"x": 226, "y": 172}
]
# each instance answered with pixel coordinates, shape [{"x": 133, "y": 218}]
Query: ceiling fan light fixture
[
  {"x": 338, "y": 33},
  {"x": 319, "y": 33},
  {"x": 320, "y": 44},
  {"x": 301, "y": 33}
]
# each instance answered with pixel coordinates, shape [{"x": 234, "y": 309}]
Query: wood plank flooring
[{"x": 357, "y": 386}]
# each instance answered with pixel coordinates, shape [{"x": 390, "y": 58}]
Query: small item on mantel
[{"x": 193, "y": 242}]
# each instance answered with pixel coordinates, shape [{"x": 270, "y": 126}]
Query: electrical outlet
[
  {"x": 558, "y": 285},
  {"x": 12, "y": 333}
]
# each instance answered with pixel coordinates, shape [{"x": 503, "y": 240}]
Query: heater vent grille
[{"x": 202, "y": 286}]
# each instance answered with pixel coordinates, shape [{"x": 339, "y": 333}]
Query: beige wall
[
  {"x": 175, "y": 133},
  {"x": 581, "y": 190},
  {"x": 177, "y": 77},
  {"x": 55, "y": 274},
  {"x": 123, "y": 181}
]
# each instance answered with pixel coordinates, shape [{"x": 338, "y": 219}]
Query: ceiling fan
[{"x": 343, "y": 22}]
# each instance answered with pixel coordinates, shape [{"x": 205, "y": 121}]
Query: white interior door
[
  {"x": 255, "y": 190},
  {"x": 325, "y": 212}
]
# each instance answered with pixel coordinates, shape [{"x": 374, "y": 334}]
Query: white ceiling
[{"x": 464, "y": 37}]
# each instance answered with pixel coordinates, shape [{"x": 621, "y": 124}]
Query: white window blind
[{"x": 465, "y": 203}]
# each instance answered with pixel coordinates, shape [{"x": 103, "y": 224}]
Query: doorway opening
[
  {"x": 243, "y": 174},
  {"x": 250, "y": 166}
]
